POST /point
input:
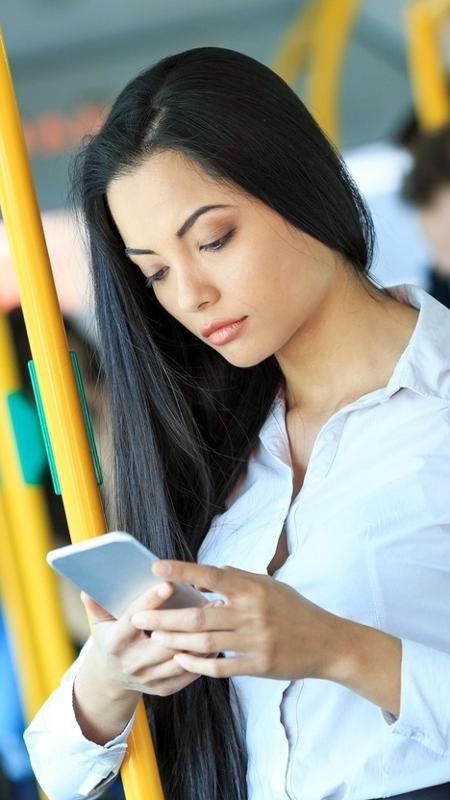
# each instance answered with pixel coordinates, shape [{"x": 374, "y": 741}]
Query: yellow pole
[
  {"x": 81, "y": 498},
  {"x": 319, "y": 35},
  {"x": 332, "y": 30},
  {"x": 28, "y": 670},
  {"x": 293, "y": 51},
  {"x": 428, "y": 76},
  {"x": 30, "y": 528}
]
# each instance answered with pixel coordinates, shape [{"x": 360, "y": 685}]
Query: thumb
[{"x": 96, "y": 611}]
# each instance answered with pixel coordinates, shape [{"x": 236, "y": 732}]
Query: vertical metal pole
[
  {"x": 29, "y": 524},
  {"x": 294, "y": 50},
  {"x": 333, "y": 25},
  {"x": 429, "y": 82},
  {"x": 30, "y": 679},
  {"x": 316, "y": 42},
  {"x": 81, "y": 498}
]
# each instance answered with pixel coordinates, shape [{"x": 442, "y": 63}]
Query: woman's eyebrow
[{"x": 132, "y": 251}]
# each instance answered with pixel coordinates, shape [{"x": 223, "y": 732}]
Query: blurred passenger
[{"x": 427, "y": 187}]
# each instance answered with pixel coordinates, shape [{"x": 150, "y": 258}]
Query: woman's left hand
[{"x": 273, "y": 630}]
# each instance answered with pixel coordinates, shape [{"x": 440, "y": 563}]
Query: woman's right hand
[{"x": 127, "y": 658}]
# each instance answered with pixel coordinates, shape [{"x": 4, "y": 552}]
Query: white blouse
[{"x": 368, "y": 538}]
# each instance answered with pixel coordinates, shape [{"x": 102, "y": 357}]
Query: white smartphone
[{"x": 114, "y": 568}]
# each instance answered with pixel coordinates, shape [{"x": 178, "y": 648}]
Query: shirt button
[{"x": 329, "y": 436}]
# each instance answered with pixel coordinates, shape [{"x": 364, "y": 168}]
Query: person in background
[{"x": 427, "y": 188}]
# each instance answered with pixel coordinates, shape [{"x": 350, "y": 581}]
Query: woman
[{"x": 279, "y": 419}]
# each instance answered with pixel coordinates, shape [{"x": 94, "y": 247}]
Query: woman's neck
[{"x": 349, "y": 348}]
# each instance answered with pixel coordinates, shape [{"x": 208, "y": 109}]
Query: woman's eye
[
  {"x": 217, "y": 245},
  {"x": 219, "y": 242},
  {"x": 158, "y": 276}
]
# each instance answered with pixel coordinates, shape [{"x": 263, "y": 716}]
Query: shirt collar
[{"x": 423, "y": 367}]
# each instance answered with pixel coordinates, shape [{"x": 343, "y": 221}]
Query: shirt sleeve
[
  {"x": 424, "y": 708},
  {"x": 66, "y": 764}
]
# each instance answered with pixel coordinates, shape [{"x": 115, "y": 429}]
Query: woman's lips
[{"x": 227, "y": 333}]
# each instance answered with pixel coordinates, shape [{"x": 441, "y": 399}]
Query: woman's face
[{"x": 242, "y": 260}]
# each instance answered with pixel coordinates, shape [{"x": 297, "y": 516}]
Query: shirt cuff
[
  {"x": 424, "y": 709},
  {"x": 65, "y": 762}
]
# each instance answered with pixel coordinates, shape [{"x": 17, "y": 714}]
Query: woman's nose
[{"x": 193, "y": 291}]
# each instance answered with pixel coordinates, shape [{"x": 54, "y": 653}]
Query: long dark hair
[{"x": 184, "y": 420}]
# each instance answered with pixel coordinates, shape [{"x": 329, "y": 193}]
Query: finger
[
  {"x": 208, "y": 642},
  {"x": 186, "y": 619},
  {"x": 96, "y": 612},
  {"x": 168, "y": 686},
  {"x": 153, "y": 597},
  {"x": 175, "y": 617},
  {"x": 167, "y": 669},
  {"x": 215, "y": 579},
  {"x": 215, "y": 668},
  {"x": 149, "y": 653}
]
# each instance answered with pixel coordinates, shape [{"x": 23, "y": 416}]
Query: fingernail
[
  {"x": 219, "y": 603},
  {"x": 164, "y": 590}
]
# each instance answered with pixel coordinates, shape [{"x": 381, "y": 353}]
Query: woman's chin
[{"x": 245, "y": 360}]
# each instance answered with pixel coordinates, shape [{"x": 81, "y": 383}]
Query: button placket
[
  {"x": 293, "y": 744},
  {"x": 324, "y": 450},
  {"x": 323, "y": 453}
]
